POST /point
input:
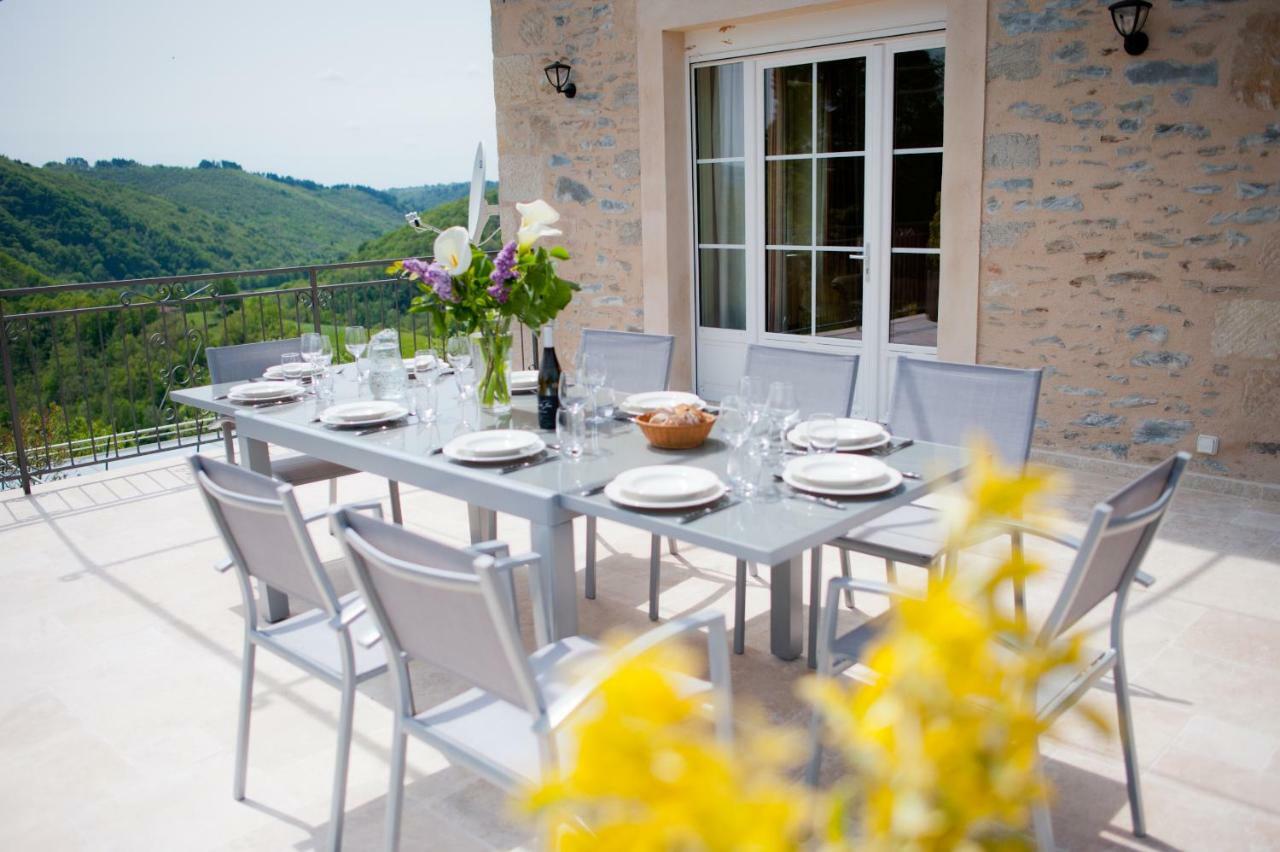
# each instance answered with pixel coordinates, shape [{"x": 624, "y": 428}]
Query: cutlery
[
  {"x": 909, "y": 474},
  {"x": 892, "y": 448},
  {"x": 723, "y": 503},
  {"x": 547, "y": 456},
  {"x": 814, "y": 498},
  {"x": 385, "y": 427},
  {"x": 592, "y": 491}
]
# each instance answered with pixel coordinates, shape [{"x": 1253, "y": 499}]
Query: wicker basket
[{"x": 676, "y": 437}]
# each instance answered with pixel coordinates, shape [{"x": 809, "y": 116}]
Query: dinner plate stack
[
  {"x": 840, "y": 475},
  {"x": 260, "y": 393},
  {"x": 353, "y": 415},
  {"x": 292, "y": 372},
  {"x": 852, "y": 435},
  {"x": 643, "y": 403},
  {"x": 524, "y": 381},
  {"x": 494, "y": 445},
  {"x": 665, "y": 486}
]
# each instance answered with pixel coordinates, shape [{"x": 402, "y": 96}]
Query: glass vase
[{"x": 492, "y": 354}]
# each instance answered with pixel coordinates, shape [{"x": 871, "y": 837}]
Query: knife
[
  {"x": 547, "y": 456},
  {"x": 814, "y": 498},
  {"x": 723, "y": 503},
  {"x": 385, "y": 427}
]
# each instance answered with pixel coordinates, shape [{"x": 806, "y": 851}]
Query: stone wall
[
  {"x": 582, "y": 155},
  {"x": 1131, "y": 232}
]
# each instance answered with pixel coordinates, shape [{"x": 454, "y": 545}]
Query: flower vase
[{"x": 492, "y": 348}]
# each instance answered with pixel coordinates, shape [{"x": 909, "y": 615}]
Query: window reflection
[
  {"x": 913, "y": 299},
  {"x": 722, "y": 288},
  {"x": 788, "y": 188},
  {"x": 917, "y": 200},
  {"x": 721, "y": 216},
  {"x": 839, "y": 282},
  {"x": 842, "y": 105},
  {"x": 718, "y": 96},
  {"x": 917, "y": 98},
  {"x": 840, "y": 207},
  {"x": 788, "y": 309},
  {"x": 788, "y": 110}
]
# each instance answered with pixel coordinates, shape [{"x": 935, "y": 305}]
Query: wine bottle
[{"x": 548, "y": 382}]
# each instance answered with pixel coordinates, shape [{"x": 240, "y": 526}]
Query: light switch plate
[{"x": 1207, "y": 444}]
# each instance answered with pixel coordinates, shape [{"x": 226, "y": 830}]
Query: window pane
[
  {"x": 787, "y": 202},
  {"x": 722, "y": 288},
  {"x": 839, "y": 295},
  {"x": 721, "y": 214},
  {"x": 917, "y": 200},
  {"x": 788, "y": 110},
  {"x": 840, "y": 187},
  {"x": 917, "y": 98},
  {"x": 913, "y": 299},
  {"x": 718, "y": 95},
  {"x": 842, "y": 105},
  {"x": 787, "y": 304}
]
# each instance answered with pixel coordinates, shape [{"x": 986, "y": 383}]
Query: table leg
[
  {"x": 483, "y": 523},
  {"x": 554, "y": 543},
  {"x": 256, "y": 456},
  {"x": 786, "y": 608}
]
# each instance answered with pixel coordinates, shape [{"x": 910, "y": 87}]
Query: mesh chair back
[
  {"x": 952, "y": 404},
  {"x": 633, "y": 362},
  {"x": 434, "y": 603},
  {"x": 252, "y": 512},
  {"x": 823, "y": 381},
  {"x": 246, "y": 360},
  {"x": 1119, "y": 534}
]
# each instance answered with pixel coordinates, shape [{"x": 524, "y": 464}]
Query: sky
[{"x": 379, "y": 92}]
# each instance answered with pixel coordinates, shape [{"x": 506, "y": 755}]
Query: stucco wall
[
  {"x": 582, "y": 154},
  {"x": 1131, "y": 233}
]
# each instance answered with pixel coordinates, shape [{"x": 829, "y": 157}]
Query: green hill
[
  {"x": 119, "y": 219},
  {"x": 433, "y": 195},
  {"x": 406, "y": 242}
]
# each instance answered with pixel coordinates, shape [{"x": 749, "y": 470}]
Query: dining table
[{"x": 554, "y": 489}]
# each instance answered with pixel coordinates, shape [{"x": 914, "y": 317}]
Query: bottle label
[{"x": 547, "y": 408}]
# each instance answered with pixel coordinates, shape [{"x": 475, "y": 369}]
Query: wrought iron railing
[{"x": 88, "y": 367}]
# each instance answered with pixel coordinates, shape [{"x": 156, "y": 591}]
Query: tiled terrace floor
[{"x": 119, "y": 650}]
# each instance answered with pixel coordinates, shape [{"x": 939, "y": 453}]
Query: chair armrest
[
  {"x": 492, "y": 548},
  {"x": 1143, "y": 579},
  {"x": 344, "y": 619},
  {"x": 373, "y": 507},
  {"x": 856, "y": 584},
  {"x": 563, "y": 707},
  {"x": 224, "y": 566},
  {"x": 1013, "y": 527}
]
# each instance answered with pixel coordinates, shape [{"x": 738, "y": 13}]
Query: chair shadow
[{"x": 1091, "y": 811}]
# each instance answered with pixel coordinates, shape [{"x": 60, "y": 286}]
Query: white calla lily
[
  {"x": 453, "y": 250},
  {"x": 536, "y": 219}
]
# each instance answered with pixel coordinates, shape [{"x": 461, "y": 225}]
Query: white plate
[
  {"x": 494, "y": 442},
  {"x": 851, "y": 435},
  {"x": 451, "y": 451},
  {"x": 893, "y": 481},
  {"x": 524, "y": 380},
  {"x": 664, "y": 483},
  {"x": 640, "y": 403},
  {"x": 617, "y": 495},
  {"x": 362, "y": 413},
  {"x": 276, "y": 371},
  {"x": 833, "y": 470},
  {"x": 263, "y": 391}
]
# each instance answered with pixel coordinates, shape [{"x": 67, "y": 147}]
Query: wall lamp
[
  {"x": 1129, "y": 17},
  {"x": 558, "y": 74}
]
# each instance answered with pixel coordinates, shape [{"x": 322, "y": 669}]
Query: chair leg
[
  {"x": 393, "y": 488},
  {"x": 655, "y": 570},
  {"x": 338, "y": 805},
  {"x": 1130, "y": 745},
  {"x": 333, "y": 491},
  {"x": 1019, "y": 584},
  {"x": 846, "y": 571},
  {"x": 1042, "y": 820},
  {"x": 815, "y": 602},
  {"x": 590, "y": 575},
  {"x": 395, "y": 792},
  {"x": 740, "y": 608},
  {"x": 755, "y": 570},
  {"x": 242, "y": 728},
  {"x": 673, "y": 547},
  {"x": 891, "y": 571}
]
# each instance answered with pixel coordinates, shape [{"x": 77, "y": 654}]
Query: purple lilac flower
[
  {"x": 504, "y": 264},
  {"x": 416, "y": 268},
  {"x": 441, "y": 282},
  {"x": 499, "y": 292}
]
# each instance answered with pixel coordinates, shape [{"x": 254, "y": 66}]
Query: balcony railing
[{"x": 88, "y": 367}]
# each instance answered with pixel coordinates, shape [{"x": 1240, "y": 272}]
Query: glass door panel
[
  {"x": 720, "y": 196},
  {"x": 842, "y": 105},
  {"x": 788, "y": 303},
  {"x": 840, "y": 204},
  {"x": 788, "y": 110},
  {"x": 839, "y": 278}
]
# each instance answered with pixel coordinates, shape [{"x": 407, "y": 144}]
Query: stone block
[
  {"x": 1017, "y": 61},
  {"x": 1249, "y": 328},
  {"x": 1159, "y": 72},
  {"x": 1013, "y": 151},
  {"x": 1161, "y": 431},
  {"x": 1262, "y": 393}
]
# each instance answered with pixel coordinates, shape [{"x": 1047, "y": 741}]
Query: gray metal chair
[
  {"x": 823, "y": 381},
  {"x": 634, "y": 363},
  {"x": 947, "y": 403},
  {"x": 454, "y": 609},
  {"x": 245, "y": 361},
  {"x": 1107, "y": 562},
  {"x": 266, "y": 536}
]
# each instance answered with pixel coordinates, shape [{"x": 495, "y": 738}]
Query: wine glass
[
  {"x": 781, "y": 407},
  {"x": 458, "y": 351},
  {"x": 355, "y": 339},
  {"x": 734, "y": 419},
  {"x": 291, "y": 365},
  {"x": 592, "y": 371},
  {"x": 573, "y": 393},
  {"x": 755, "y": 392},
  {"x": 571, "y": 431},
  {"x": 744, "y": 467},
  {"x": 425, "y": 364}
]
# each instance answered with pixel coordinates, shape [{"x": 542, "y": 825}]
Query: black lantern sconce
[
  {"x": 558, "y": 74},
  {"x": 1129, "y": 17}
]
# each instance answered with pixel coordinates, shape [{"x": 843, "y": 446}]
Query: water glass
[
  {"x": 734, "y": 419},
  {"x": 291, "y": 365},
  {"x": 782, "y": 408},
  {"x": 571, "y": 431},
  {"x": 425, "y": 364},
  {"x": 573, "y": 393},
  {"x": 591, "y": 370},
  {"x": 355, "y": 338},
  {"x": 745, "y": 463},
  {"x": 458, "y": 351},
  {"x": 309, "y": 343},
  {"x": 426, "y": 400},
  {"x": 323, "y": 383},
  {"x": 755, "y": 393},
  {"x": 820, "y": 430},
  {"x": 606, "y": 403}
]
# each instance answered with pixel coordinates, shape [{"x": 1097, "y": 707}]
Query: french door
[{"x": 817, "y": 197}]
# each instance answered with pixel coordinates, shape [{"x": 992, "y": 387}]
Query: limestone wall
[
  {"x": 582, "y": 154},
  {"x": 1131, "y": 231}
]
